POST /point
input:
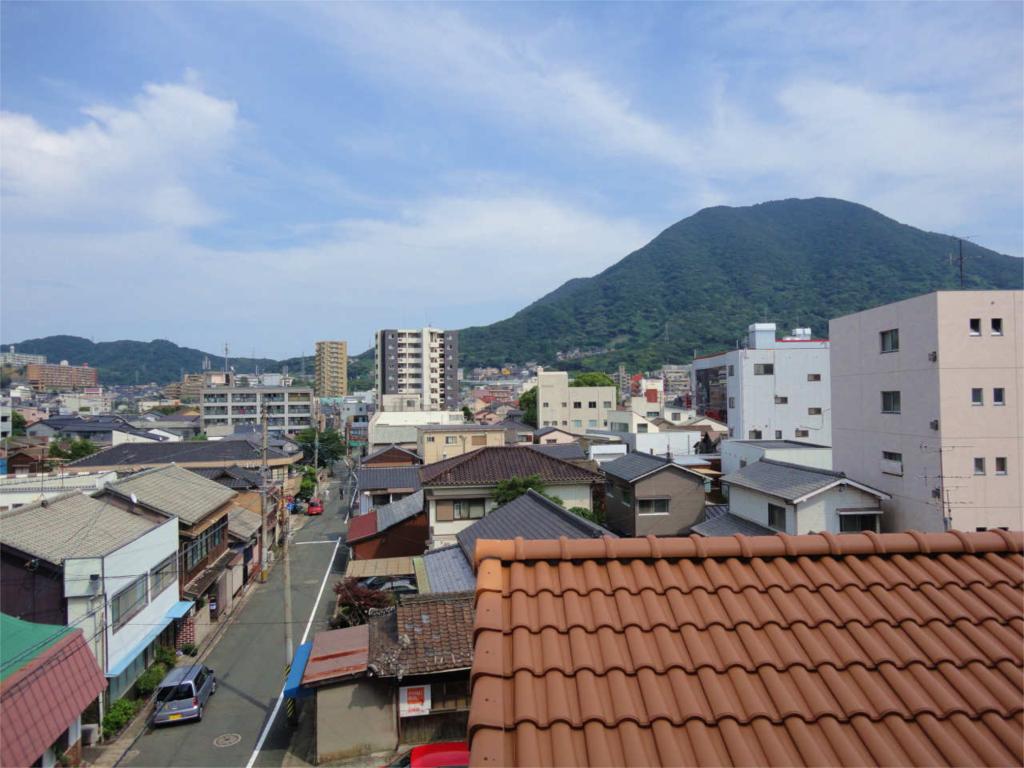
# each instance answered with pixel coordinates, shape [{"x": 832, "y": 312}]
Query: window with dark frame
[
  {"x": 754, "y": 434},
  {"x": 997, "y": 326},
  {"x": 652, "y": 506},
  {"x": 814, "y": 411},
  {"x": 764, "y": 369},
  {"x": 891, "y": 401},
  {"x": 890, "y": 340},
  {"x": 998, "y": 396},
  {"x": 128, "y": 602},
  {"x": 1000, "y": 465},
  {"x": 781, "y": 400},
  {"x": 776, "y": 517},
  {"x": 163, "y": 575},
  {"x": 801, "y": 433},
  {"x": 814, "y": 377},
  {"x": 979, "y": 465},
  {"x": 975, "y": 326},
  {"x": 977, "y": 396}
]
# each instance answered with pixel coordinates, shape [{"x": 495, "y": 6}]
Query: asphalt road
[{"x": 249, "y": 659}]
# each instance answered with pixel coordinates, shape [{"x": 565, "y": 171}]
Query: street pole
[{"x": 263, "y": 492}]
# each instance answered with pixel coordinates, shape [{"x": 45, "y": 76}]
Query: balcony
[{"x": 215, "y": 398}]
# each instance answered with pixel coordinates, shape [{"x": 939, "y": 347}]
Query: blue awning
[
  {"x": 293, "y": 685},
  {"x": 139, "y": 647},
  {"x": 179, "y": 609}
]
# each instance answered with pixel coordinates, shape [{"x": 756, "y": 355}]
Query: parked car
[
  {"x": 399, "y": 587},
  {"x": 183, "y": 693},
  {"x": 448, "y": 754},
  {"x": 316, "y": 507}
]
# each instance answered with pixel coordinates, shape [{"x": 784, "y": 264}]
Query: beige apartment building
[
  {"x": 575, "y": 409},
  {"x": 44, "y": 377},
  {"x": 436, "y": 442},
  {"x": 331, "y": 368},
  {"x": 926, "y": 406}
]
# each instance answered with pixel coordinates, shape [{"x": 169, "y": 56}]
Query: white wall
[
  {"x": 681, "y": 443},
  {"x": 736, "y": 451},
  {"x": 817, "y": 514}
]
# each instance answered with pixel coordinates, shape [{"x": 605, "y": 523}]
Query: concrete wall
[
  {"x": 735, "y": 452},
  {"x": 933, "y": 460},
  {"x": 556, "y": 403},
  {"x": 355, "y": 719},
  {"x": 686, "y": 504},
  {"x": 434, "y": 445}
]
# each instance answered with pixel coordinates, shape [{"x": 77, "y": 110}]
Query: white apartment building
[
  {"x": 401, "y": 428},
  {"x": 771, "y": 389},
  {"x": 926, "y": 396},
  {"x": 418, "y": 361},
  {"x": 288, "y": 409},
  {"x": 576, "y": 409}
]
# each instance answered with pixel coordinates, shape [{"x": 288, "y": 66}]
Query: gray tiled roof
[
  {"x": 373, "y": 478},
  {"x": 242, "y": 522},
  {"x": 391, "y": 447},
  {"x": 563, "y": 451},
  {"x": 183, "y": 452},
  {"x": 448, "y": 570},
  {"x": 635, "y": 465},
  {"x": 237, "y": 478},
  {"x": 174, "y": 491},
  {"x": 397, "y": 511},
  {"x": 728, "y": 524},
  {"x": 782, "y": 479},
  {"x": 490, "y": 465},
  {"x": 74, "y": 525},
  {"x": 531, "y": 516}
]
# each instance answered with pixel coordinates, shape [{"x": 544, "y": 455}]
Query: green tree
[
  {"x": 17, "y": 424},
  {"x": 331, "y": 448},
  {"x": 514, "y": 487},
  {"x": 593, "y": 516},
  {"x": 528, "y": 405},
  {"x": 79, "y": 449},
  {"x": 467, "y": 414}
]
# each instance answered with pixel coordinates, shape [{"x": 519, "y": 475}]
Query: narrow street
[{"x": 249, "y": 659}]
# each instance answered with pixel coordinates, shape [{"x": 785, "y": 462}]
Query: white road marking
[
  {"x": 320, "y": 541},
  {"x": 280, "y": 698}
]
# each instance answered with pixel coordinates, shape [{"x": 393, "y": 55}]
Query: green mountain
[{"x": 699, "y": 283}]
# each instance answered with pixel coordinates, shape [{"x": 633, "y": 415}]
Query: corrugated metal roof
[
  {"x": 70, "y": 526},
  {"x": 380, "y": 566},
  {"x": 337, "y": 653},
  {"x": 174, "y": 491}
]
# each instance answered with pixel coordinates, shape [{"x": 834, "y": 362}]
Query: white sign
[{"x": 413, "y": 700}]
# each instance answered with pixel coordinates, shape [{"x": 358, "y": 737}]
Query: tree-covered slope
[{"x": 699, "y": 284}]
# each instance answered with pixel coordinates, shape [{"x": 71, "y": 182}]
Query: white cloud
[{"x": 131, "y": 166}]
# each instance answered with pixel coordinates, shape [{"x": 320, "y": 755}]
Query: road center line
[
  {"x": 280, "y": 698},
  {"x": 319, "y": 541}
]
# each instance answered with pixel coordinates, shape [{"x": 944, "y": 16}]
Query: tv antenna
[{"x": 959, "y": 256}]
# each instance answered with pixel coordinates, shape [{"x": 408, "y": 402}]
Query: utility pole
[
  {"x": 316, "y": 459},
  {"x": 263, "y": 483}
]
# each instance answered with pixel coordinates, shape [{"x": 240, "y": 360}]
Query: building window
[
  {"x": 164, "y": 575},
  {"x": 652, "y": 414},
  {"x": 469, "y": 509},
  {"x": 814, "y": 411},
  {"x": 977, "y": 396},
  {"x": 890, "y": 340},
  {"x": 732, "y": 370},
  {"x": 676, "y": 416},
  {"x": 891, "y": 402},
  {"x": 592, "y": 422},
  {"x": 855, "y": 523},
  {"x": 606, "y": 404},
  {"x": 430, "y": 438},
  {"x": 975, "y": 326},
  {"x": 764, "y": 369},
  {"x": 627, "y": 495},
  {"x": 450, "y": 440},
  {"x": 1000, "y": 465},
  {"x": 652, "y": 507},
  {"x": 577, "y": 404},
  {"x": 578, "y": 423},
  {"x": 592, "y": 404},
  {"x": 128, "y": 602},
  {"x": 997, "y": 326},
  {"x": 998, "y": 396},
  {"x": 801, "y": 433},
  {"x": 754, "y": 434},
  {"x": 776, "y": 517},
  {"x": 778, "y": 434},
  {"x": 814, "y": 377},
  {"x": 780, "y": 400},
  {"x": 732, "y": 402},
  {"x": 892, "y": 463},
  {"x": 979, "y": 465}
]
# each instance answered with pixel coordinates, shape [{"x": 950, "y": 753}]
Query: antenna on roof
[{"x": 959, "y": 257}]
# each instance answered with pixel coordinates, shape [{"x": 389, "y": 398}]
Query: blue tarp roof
[{"x": 293, "y": 685}]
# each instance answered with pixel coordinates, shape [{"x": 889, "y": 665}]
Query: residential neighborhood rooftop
[
  {"x": 634, "y": 466},
  {"x": 852, "y": 649},
  {"x": 382, "y": 478},
  {"x": 173, "y": 491},
  {"x": 183, "y": 452},
  {"x": 487, "y": 466},
  {"x": 791, "y": 482},
  {"x": 448, "y": 570},
  {"x": 70, "y": 526},
  {"x": 422, "y": 635},
  {"x": 563, "y": 451}
]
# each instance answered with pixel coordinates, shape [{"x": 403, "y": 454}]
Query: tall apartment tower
[
  {"x": 926, "y": 406},
  {"x": 331, "y": 368},
  {"x": 420, "y": 364}
]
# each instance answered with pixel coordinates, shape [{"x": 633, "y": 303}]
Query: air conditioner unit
[
  {"x": 933, "y": 357},
  {"x": 934, "y": 424}
]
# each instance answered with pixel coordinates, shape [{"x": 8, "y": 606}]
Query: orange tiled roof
[{"x": 853, "y": 649}]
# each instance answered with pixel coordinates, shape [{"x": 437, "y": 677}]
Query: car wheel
[
  {"x": 214, "y": 689},
  {"x": 199, "y": 717}
]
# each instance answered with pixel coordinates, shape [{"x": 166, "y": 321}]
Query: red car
[
  {"x": 315, "y": 507},
  {"x": 448, "y": 754}
]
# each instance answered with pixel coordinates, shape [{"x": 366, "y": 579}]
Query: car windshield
[{"x": 175, "y": 692}]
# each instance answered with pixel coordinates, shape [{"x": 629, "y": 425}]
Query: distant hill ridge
[{"x": 694, "y": 287}]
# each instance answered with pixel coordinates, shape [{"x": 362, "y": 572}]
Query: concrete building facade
[
  {"x": 331, "y": 368},
  {"x": 771, "y": 389},
  {"x": 418, "y": 361},
  {"x": 575, "y": 409},
  {"x": 43, "y": 377},
  {"x": 289, "y": 409},
  {"x": 926, "y": 396}
]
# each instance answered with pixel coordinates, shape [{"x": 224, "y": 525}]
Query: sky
[{"x": 270, "y": 174}]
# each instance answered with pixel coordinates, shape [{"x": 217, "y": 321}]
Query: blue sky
[{"x": 271, "y": 174}]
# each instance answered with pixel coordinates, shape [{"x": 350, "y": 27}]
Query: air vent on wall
[{"x": 933, "y": 357}]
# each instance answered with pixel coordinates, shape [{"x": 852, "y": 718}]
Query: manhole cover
[{"x": 227, "y": 740}]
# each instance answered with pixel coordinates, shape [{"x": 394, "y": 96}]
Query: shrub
[
  {"x": 150, "y": 679},
  {"x": 166, "y": 655},
  {"x": 355, "y": 602},
  {"x": 120, "y": 714},
  {"x": 189, "y": 649}
]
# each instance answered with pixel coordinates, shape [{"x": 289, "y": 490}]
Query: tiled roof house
[{"x": 852, "y": 649}]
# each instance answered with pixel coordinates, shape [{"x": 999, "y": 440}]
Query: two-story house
[
  {"x": 86, "y": 563},
  {"x": 651, "y": 495}
]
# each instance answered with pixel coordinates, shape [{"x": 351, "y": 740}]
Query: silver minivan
[{"x": 183, "y": 693}]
